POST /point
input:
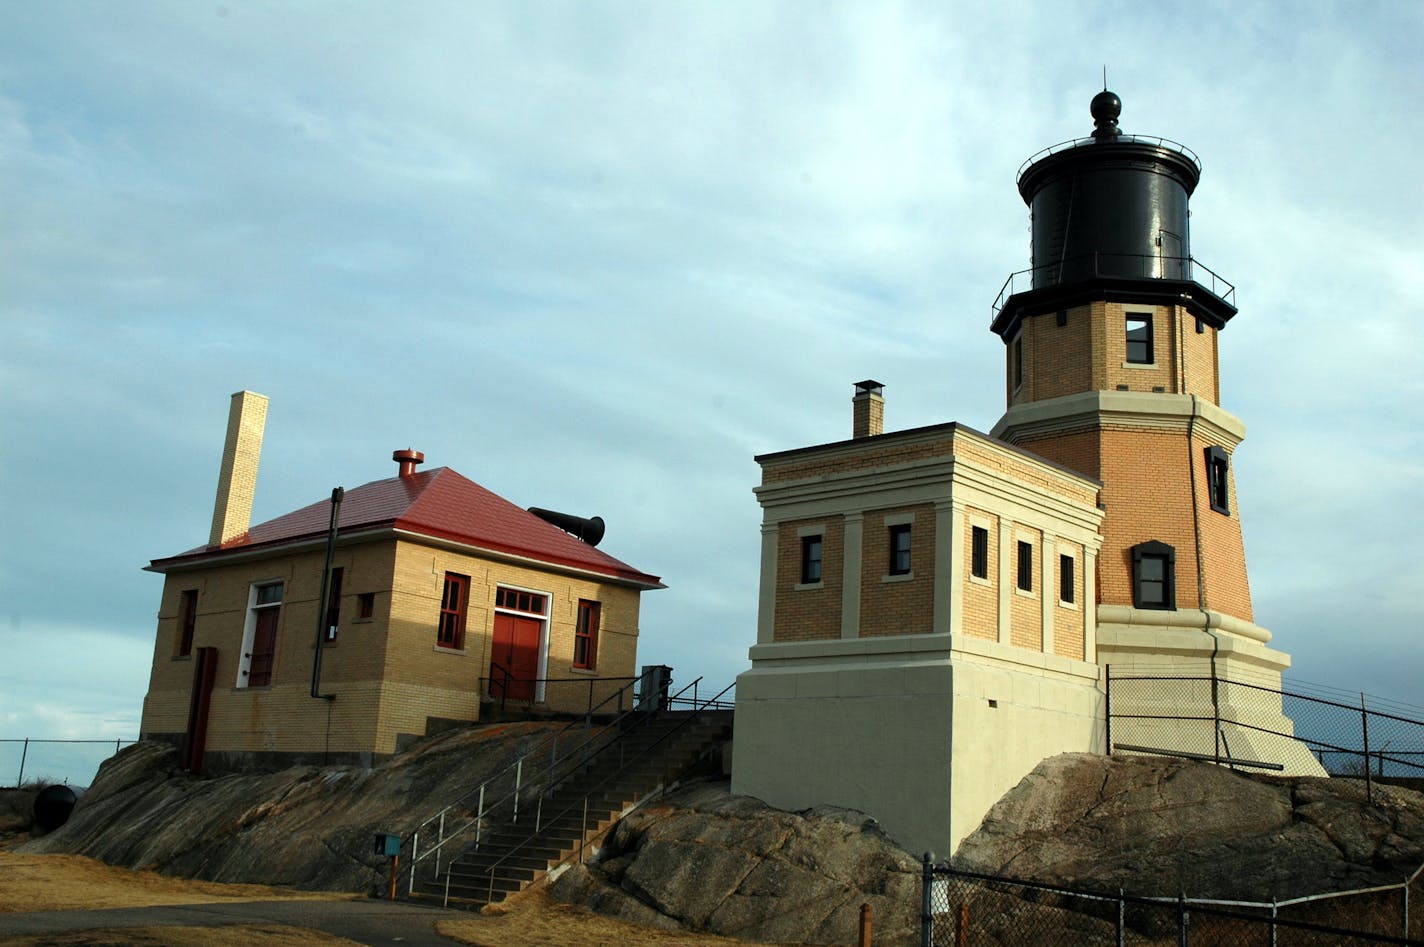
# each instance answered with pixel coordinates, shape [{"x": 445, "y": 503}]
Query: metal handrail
[
  {"x": 487, "y": 685},
  {"x": 512, "y": 796},
  {"x": 1190, "y": 267},
  {"x": 582, "y": 803},
  {"x": 1157, "y": 140}
]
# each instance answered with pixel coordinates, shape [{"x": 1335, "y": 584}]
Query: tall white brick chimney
[{"x": 237, "y": 481}]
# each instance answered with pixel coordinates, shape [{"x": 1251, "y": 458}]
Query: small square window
[
  {"x": 1139, "y": 338},
  {"x": 1065, "y": 579},
  {"x": 1218, "y": 479},
  {"x": 979, "y": 553},
  {"x": 1025, "y": 566},
  {"x": 900, "y": 549},
  {"x": 810, "y": 560},
  {"x": 365, "y": 604}
]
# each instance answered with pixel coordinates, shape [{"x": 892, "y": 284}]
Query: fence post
[
  {"x": 1182, "y": 938},
  {"x": 1365, "y": 732},
  {"x": 1107, "y": 709},
  {"x": 1405, "y": 933},
  {"x": 24, "y": 752},
  {"x": 1273, "y": 920},
  {"x": 1215, "y": 713},
  {"x": 926, "y": 918},
  {"x": 1121, "y": 918}
]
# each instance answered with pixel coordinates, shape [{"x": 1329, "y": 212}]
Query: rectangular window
[
  {"x": 810, "y": 560},
  {"x": 1025, "y": 566},
  {"x": 900, "y": 549},
  {"x": 453, "y": 604},
  {"x": 979, "y": 560},
  {"x": 333, "y": 603},
  {"x": 1154, "y": 579},
  {"x": 266, "y": 611},
  {"x": 1018, "y": 361},
  {"x": 1218, "y": 480},
  {"x": 1139, "y": 338},
  {"x": 586, "y": 635},
  {"x": 1065, "y": 579},
  {"x": 514, "y": 600},
  {"x": 187, "y": 620}
]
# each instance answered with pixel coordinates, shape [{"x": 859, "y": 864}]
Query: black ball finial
[{"x": 1106, "y": 107}]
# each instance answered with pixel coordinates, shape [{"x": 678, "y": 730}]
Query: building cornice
[
  {"x": 227, "y": 557},
  {"x": 1105, "y": 410}
]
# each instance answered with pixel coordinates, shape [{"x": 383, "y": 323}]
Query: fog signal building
[
  {"x": 941, "y": 609},
  {"x": 442, "y": 600}
]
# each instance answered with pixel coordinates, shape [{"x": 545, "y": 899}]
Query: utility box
[
  {"x": 654, "y": 686},
  {"x": 388, "y": 845}
]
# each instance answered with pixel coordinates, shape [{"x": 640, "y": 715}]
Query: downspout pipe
[
  {"x": 1201, "y": 582},
  {"x": 323, "y": 603}
]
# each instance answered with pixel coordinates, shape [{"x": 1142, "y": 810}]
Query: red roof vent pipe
[{"x": 408, "y": 459}]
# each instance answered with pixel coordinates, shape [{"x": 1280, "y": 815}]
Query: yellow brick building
[{"x": 442, "y": 598}]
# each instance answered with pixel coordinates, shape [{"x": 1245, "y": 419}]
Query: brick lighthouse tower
[{"x": 1111, "y": 340}]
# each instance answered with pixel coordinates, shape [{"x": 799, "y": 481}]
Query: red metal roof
[{"x": 438, "y": 503}]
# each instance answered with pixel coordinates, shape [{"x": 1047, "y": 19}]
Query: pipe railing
[
  {"x": 509, "y": 784},
  {"x": 1125, "y": 265},
  {"x": 496, "y": 688},
  {"x": 712, "y": 703}
]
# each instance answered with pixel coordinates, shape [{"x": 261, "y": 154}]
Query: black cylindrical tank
[
  {"x": 1112, "y": 205},
  {"x": 54, "y": 804}
]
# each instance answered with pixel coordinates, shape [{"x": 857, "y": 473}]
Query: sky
[{"x": 596, "y": 257}]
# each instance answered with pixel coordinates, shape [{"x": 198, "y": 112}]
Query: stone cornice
[{"x": 1105, "y": 410}]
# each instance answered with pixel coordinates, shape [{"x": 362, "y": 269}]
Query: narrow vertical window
[
  {"x": 586, "y": 635},
  {"x": 1018, "y": 361},
  {"x": 1065, "y": 579},
  {"x": 1154, "y": 576},
  {"x": 187, "y": 620},
  {"x": 979, "y": 555},
  {"x": 333, "y": 603},
  {"x": 1218, "y": 480},
  {"x": 1025, "y": 566},
  {"x": 453, "y": 603},
  {"x": 810, "y": 560},
  {"x": 266, "y": 610},
  {"x": 1139, "y": 338},
  {"x": 900, "y": 549}
]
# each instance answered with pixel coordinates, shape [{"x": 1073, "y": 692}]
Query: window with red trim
[
  {"x": 453, "y": 603},
  {"x": 586, "y": 635}
]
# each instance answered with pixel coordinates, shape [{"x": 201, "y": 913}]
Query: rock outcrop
[
  {"x": 1158, "y": 826},
  {"x": 706, "y": 860},
  {"x": 306, "y": 826}
]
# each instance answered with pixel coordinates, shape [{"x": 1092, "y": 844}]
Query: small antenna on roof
[{"x": 1105, "y": 77}]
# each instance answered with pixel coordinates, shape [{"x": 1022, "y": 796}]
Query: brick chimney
[
  {"x": 868, "y": 409},
  {"x": 237, "y": 481}
]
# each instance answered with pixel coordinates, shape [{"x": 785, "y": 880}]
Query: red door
[{"x": 516, "y": 651}]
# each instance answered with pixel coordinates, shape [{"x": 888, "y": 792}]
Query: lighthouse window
[
  {"x": 1154, "y": 576},
  {"x": 1218, "y": 482},
  {"x": 810, "y": 560},
  {"x": 1018, "y": 362},
  {"x": 1139, "y": 338}
]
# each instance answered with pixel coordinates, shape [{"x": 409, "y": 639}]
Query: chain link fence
[
  {"x": 46, "y": 760},
  {"x": 1293, "y": 728},
  {"x": 968, "y": 909}
]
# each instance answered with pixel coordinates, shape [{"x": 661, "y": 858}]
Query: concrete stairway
[{"x": 569, "y": 819}]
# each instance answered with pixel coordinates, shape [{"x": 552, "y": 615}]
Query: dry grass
[
  {"x": 533, "y": 919},
  {"x": 72, "y": 882},
  {"x": 75, "y": 883}
]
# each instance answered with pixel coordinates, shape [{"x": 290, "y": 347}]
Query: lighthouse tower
[{"x": 1111, "y": 341}]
